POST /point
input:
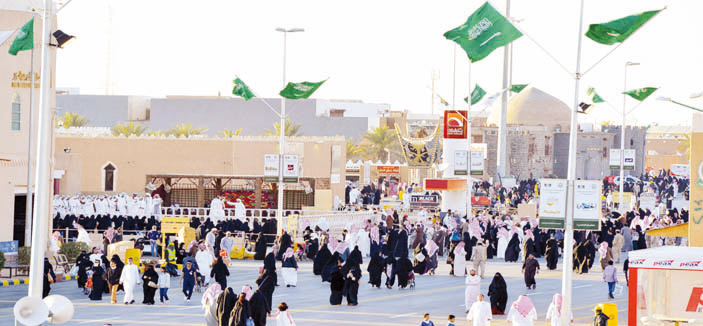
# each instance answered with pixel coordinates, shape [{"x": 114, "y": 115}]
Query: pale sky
[{"x": 375, "y": 51}]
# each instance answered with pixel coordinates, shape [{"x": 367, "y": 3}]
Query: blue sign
[{"x": 9, "y": 247}]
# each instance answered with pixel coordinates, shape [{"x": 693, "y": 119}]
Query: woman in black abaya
[
  {"x": 512, "y": 252},
  {"x": 149, "y": 276},
  {"x": 352, "y": 276},
  {"x": 284, "y": 245},
  {"x": 329, "y": 266},
  {"x": 375, "y": 269},
  {"x": 225, "y": 304},
  {"x": 268, "y": 279},
  {"x": 260, "y": 247},
  {"x": 402, "y": 268},
  {"x": 220, "y": 272},
  {"x": 498, "y": 292},
  {"x": 336, "y": 282},
  {"x": 323, "y": 255},
  {"x": 420, "y": 260},
  {"x": 240, "y": 312},
  {"x": 552, "y": 253},
  {"x": 98, "y": 284}
]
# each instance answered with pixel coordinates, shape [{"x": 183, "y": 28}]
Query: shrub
[
  {"x": 73, "y": 249},
  {"x": 24, "y": 255},
  {"x": 2, "y": 260}
]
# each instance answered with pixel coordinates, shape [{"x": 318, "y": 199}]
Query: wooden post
[
  {"x": 200, "y": 192},
  {"x": 258, "y": 184}
]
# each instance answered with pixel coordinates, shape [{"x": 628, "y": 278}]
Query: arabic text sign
[
  {"x": 460, "y": 163},
  {"x": 552, "y": 203},
  {"x": 587, "y": 204},
  {"x": 271, "y": 166},
  {"x": 290, "y": 168},
  {"x": 615, "y": 159},
  {"x": 476, "y": 163}
]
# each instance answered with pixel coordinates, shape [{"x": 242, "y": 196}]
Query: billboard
[
  {"x": 615, "y": 159},
  {"x": 424, "y": 200},
  {"x": 455, "y": 126},
  {"x": 587, "y": 204},
  {"x": 460, "y": 163},
  {"x": 271, "y": 166},
  {"x": 476, "y": 163},
  {"x": 290, "y": 168},
  {"x": 552, "y": 203}
]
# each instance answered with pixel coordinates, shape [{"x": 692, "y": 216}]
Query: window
[
  {"x": 16, "y": 113},
  {"x": 109, "y": 177}
]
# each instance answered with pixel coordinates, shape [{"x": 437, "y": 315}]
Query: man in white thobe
[
  {"x": 210, "y": 241},
  {"x": 480, "y": 312},
  {"x": 473, "y": 288},
  {"x": 129, "y": 279},
  {"x": 148, "y": 205},
  {"x": 227, "y": 243},
  {"x": 240, "y": 211}
]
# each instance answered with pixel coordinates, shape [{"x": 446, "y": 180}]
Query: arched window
[
  {"x": 109, "y": 175},
  {"x": 16, "y": 113}
]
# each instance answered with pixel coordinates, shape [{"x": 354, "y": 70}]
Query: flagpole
[
  {"x": 40, "y": 225},
  {"x": 503, "y": 127},
  {"x": 569, "y": 219},
  {"x": 30, "y": 155},
  {"x": 469, "y": 184},
  {"x": 282, "y": 143}
]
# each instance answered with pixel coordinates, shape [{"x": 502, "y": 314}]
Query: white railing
[{"x": 230, "y": 212}]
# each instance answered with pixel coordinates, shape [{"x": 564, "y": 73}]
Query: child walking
[
  {"x": 164, "y": 283},
  {"x": 283, "y": 317}
]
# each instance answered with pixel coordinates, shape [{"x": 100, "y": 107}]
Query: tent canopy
[
  {"x": 680, "y": 230},
  {"x": 667, "y": 257}
]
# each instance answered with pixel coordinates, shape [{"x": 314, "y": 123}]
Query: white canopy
[{"x": 668, "y": 257}]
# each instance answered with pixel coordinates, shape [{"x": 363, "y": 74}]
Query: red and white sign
[
  {"x": 455, "y": 126},
  {"x": 672, "y": 263}
]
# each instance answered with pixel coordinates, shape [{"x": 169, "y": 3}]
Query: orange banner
[{"x": 387, "y": 169}]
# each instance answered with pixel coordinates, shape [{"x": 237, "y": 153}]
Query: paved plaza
[{"x": 439, "y": 295}]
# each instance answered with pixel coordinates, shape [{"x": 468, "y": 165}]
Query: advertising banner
[
  {"x": 290, "y": 168},
  {"x": 271, "y": 166},
  {"x": 455, "y": 124},
  {"x": 460, "y": 163},
  {"x": 648, "y": 201},
  {"x": 424, "y": 200},
  {"x": 681, "y": 170},
  {"x": 615, "y": 159},
  {"x": 387, "y": 170},
  {"x": 476, "y": 163},
  {"x": 587, "y": 204},
  {"x": 695, "y": 225},
  {"x": 552, "y": 203}
]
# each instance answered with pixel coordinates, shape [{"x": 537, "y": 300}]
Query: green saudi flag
[
  {"x": 24, "y": 39},
  {"x": 617, "y": 31},
  {"x": 641, "y": 94},
  {"x": 242, "y": 90},
  {"x": 296, "y": 91},
  {"x": 595, "y": 98},
  {"x": 476, "y": 96},
  {"x": 484, "y": 31},
  {"x": 517, "y": 88}
]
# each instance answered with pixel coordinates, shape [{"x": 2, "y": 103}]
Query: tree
[
  {"x": 353, "y": 149},
  {"x": 72, "y": 119},
  {"x": 229, "y": 133},
  {"x": 292, "y": 130},
  {"x": 380, "y": 143},
  {"x": 685, "y": 146},
  {"x": 184, "y": 130},
  {"x": 128, "y": 129}
]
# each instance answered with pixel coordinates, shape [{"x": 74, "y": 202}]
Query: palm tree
[
  {"x": 685, "y": 145},
  {"x": 229, "y": 133},
  {"x": 184, "y": 130},
  {"x": 380, "y": 143},
  {"x": 72, "y": 119},
  {"x": 128, "y": 129},
  {"x": 292, "y": 130},
  {"x": 353, "y": 149}
]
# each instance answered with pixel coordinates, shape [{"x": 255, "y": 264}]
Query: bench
[{"x": 18, "y": 268}]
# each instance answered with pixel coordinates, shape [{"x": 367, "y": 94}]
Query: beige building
[
  {"x": 15, "y": 75},
  {"x": 196, "y": 169},
  {"x": 666, "y": 145}
]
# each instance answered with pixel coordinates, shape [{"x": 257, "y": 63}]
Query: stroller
[
  {"x": 411, "y": 280},
  {"x": 199, "y": 283}
]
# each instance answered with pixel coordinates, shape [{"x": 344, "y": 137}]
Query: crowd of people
[{"x": 397, "y": 247}]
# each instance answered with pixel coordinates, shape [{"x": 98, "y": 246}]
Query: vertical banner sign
[
  {"x": 455, "y": 124},
  {"x": 290, "y": 168},
  {"x": 615, "y": 159},
  {"x": 460, "y": 163},
  {"x": 695, "y": 221},
  {"x": 271, "y": 165},
  {"x": 552, "y": 203},
  {"x": 587, "y": 204},
  {"x": 476, "y": 163}
]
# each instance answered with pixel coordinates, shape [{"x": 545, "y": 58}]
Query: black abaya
[
  {"x": 402, "y": 268},
  {"x": 149, "y": 276},
  {"x": 97, "y": 292},
  {"x": 320, "y": 260},
  {"x": 552, "y": 254},
  {"x": 352, "y": 276},
  {"x": 284, "y": 245},
  {"x": 419, "y": 267},
  {"x": 268, "y": 279},
  {"x": 225, "y": 304},
  {"x": 329, "y": 266},
  {"x": 48, "y": 272},
  {"x": 241, "y": 312},
  {"x": 498, "y": 292},
  {"x": 512, "y": 252},
  {"x": 260, "y": 247},
  {"x": 336, "y": 286},
  {"x": 220, "y": 272},
  {"x": 375, "y": 269},
  {"x": 259, "y": 308}
]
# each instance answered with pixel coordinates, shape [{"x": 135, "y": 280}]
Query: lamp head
[
  {"x": 62, "y": 38},
  {"x": 630, "y": 63},
  {"x": 664, "y": 98}
]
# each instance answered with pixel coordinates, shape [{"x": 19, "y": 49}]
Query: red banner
[
  {"x": 387, "y": 169},
  {"x": 480, "y": 201},
  {"x": 455, "y": 124},
  {"x": 249, "y": 198}
]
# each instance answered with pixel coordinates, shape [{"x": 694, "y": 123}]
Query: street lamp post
[
  {"x": 622, "y": 135},
  {"x": 282, "y": 128}
]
